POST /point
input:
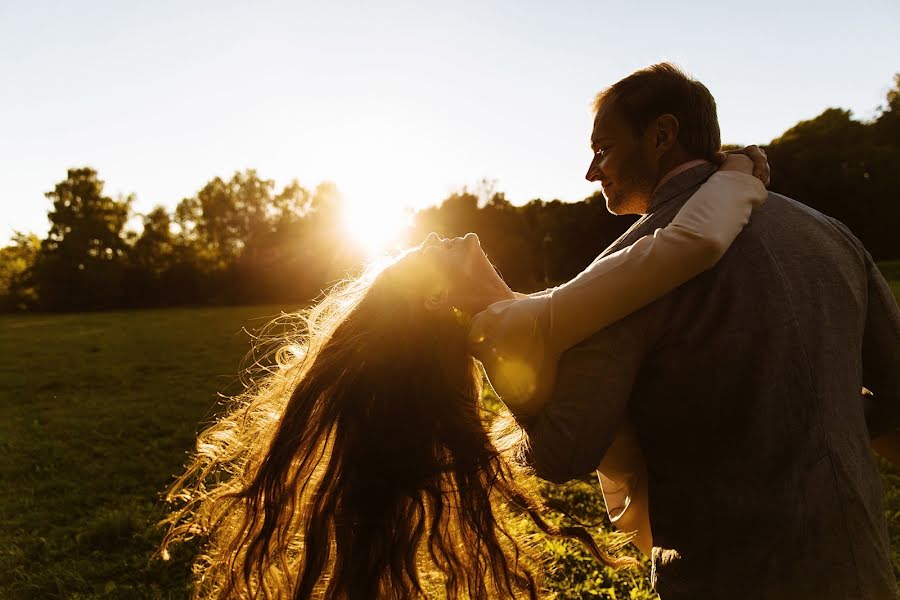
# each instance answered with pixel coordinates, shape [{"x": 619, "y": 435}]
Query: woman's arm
[
  {"x": 519, "y": 341},
  {"x": 625, "y": 281},
  {"x": 623, "y": 479}
]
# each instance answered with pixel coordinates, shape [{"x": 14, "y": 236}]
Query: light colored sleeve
[
  {"x": 620, "y": 283},
  {"x": 537, "y": 294},
  {"x": 519, "y": 341},
  {"x": 623, "y": 479}
]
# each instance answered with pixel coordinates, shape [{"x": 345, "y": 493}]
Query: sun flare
[{"x": 375, "y": 228}]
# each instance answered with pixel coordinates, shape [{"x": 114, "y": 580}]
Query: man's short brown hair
[{"x": 665, "y": 89}]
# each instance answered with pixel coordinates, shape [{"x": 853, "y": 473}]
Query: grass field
[{"x": 97, "y": 412}]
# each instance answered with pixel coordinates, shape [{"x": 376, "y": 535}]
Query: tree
[
  {"x": 151, "y": 258},
  {"x": 153, "y": 252},
  {"x": 82, "y": 260},
  {"x": 291, "y": 204},
  {"x": 887, "y": 125},
  {"x": 232, "y": 213},
  {"x": 16, "y": 261},
  {"x": 268, "y": 269}
]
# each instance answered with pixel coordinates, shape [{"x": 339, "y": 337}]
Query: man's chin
[
  {"x": 613, "y": 202},
  {"x": 623, "y": 204}
]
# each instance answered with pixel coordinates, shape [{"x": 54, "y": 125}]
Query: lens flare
[{"x": 516, "y": 377}]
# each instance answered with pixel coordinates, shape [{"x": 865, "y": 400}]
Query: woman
[{"x": 361, "y": 466}]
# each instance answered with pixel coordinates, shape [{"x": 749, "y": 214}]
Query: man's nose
[{"x": 593, "y": 172}]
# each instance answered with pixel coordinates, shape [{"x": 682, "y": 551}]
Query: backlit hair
[{"x": 361, "y": 465}]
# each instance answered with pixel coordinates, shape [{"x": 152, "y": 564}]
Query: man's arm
[
  {"x": 571, "y": 432},
  {"x": 881, "y": 365}
]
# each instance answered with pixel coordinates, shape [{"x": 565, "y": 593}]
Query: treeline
[{"x": 242, "y": 241}]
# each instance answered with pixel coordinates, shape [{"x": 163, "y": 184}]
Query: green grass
[{"x": 97, "y": 413}]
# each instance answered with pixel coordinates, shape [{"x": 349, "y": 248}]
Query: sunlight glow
[
  {"x": 376, "y": 228},
  {"x": 516, "y": 377}
]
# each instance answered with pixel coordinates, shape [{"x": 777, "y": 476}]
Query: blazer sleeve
[{"x": 570, "y": 433}]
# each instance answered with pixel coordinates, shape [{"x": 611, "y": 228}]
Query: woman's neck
[{"x": 477, "y": 299}]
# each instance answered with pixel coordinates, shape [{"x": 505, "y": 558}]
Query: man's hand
[{"x": 760, "y": 161}]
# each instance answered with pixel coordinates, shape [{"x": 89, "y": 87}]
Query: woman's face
[{"x": 462, "y": 264}]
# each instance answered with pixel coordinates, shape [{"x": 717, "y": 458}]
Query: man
[{"x": 743, "y": 384}]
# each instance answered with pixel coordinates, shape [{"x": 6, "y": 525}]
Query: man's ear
[
  {"x": 437, "y": 299},
  {"x": 666, "y": 133}
]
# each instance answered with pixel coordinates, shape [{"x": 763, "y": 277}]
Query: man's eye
[{"x": 602, "y": 151}]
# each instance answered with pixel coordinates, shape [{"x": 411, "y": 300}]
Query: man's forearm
[{"x": 570, "y": 433}]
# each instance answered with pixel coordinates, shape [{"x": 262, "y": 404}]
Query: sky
[{"x": 398, "y": 103}]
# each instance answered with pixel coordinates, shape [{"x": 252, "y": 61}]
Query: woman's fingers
[
  {"x": 739, "y": 162},
  {"x": 760, "y": 163},
  {"x": 765, "y": 172},
  {"x": 761, "y": 168}
]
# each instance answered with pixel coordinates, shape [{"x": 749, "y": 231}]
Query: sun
[{"x": 375, "y": 228}]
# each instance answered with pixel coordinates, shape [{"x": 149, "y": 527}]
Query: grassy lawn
[{"x": 97, "y": 412}]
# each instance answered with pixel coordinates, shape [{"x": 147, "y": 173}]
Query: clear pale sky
[{"x": 395, "y": 102}]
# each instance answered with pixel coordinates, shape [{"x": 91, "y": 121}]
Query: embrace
[{"x": 727, "y": 367}]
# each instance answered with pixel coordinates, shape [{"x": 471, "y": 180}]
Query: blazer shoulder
[{"x": 793, "y": 219}]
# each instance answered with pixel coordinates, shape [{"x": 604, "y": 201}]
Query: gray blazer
[{"x": 744, "y": 388}]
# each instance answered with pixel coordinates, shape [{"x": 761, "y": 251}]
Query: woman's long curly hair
[{"x": 361, "y": 465}]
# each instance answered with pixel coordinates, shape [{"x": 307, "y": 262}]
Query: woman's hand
[{"x": 751, "y": 160}]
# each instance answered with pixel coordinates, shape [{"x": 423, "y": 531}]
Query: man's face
[{"x": 622, "y": 164}]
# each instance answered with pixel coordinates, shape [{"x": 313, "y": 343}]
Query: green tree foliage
[
  {"x": 232, "y": 214},
  {"x": 16, "y": 262},
  {"x": 270, "y": 266},
  {"x": 154, "y": 250},
  {"x": 887, "y": 126},
  {"x": 82, "y": 260},
  {"x": 291, "y": 204},
  {"x": 152, "y": 258}
]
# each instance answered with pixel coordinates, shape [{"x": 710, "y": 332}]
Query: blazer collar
[{"x": 680, "y": 183}]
